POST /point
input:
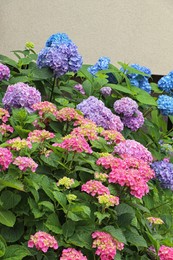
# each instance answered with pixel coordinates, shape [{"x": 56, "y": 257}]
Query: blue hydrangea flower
[
  {"x": 164, "y": 173},
  {"x": 165, "y": 105},
  {"x": 95, "y": 110},
  {"x": 166, "y": 83},
  {"x": 141, "y": 69},
  {"x": 101, "y": 64},
  {"x": 58, "y": 39}
]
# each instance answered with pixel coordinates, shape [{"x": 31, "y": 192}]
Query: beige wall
[{"x": 132, "y": 31}]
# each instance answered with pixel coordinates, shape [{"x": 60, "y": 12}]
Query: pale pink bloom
[
  {"x": 5, "y": 128},
  {"x": 6, "y": 158},
  {"x": 72, "y": 254},
  {"x": 42, "y": 241},
  {"x": 44, "y": 107},
  {"x": 88, "y": 130},
  {"x": 113, "y": 135},
  {"x": 94, "y": 188},
  {"x": 157, "y": 221},
  {"x": 39, "y": 136},
  {"x": 24, "y": 163},
  {"x": 67, "y": 114},
  {"x": 108, "y": 200},
  {"x": 18, "y": 143},
  {"x": 165, "y": 253},
  {"x": 4, "y": 115}
]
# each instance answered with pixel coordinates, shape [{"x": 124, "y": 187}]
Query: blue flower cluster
[
  {"x": 166, "y": 83},
  {"x": 164, "y": 173},
  {"x": 138, "y": 80},
  {"x": 60, "y": 54},
  {"x": 95, "y": 110},
  {"x": 101, "y": 64},
  {"x": 165, "y": 105}
]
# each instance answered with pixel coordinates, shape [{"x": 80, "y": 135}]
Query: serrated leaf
[
  {"x": 13, "y": 234},
  {"x": 9, "y": 199},
  {"x": 47, "y": 204},
  {"x": 15, "y": 80},
  {"x": 68, "y": 228},
  {"x": 8, "y": 61},
  {"x": 116, "y": 233},
  {"x": 53, "y": 224},
  {"x": 7, "y": 218},
  {"x": 120, "y": 88},
  {"x": 61, "y": 198},
  {"x": 135, "y": 239},
  {"x": 2, "y": 248},
  {"x": 16, "y": 252}
]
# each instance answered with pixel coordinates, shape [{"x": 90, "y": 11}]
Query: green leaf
[
  {"x": 87, "y": 86},
  {"x": 116, "y": 233},
  {"x": 62, "y": 101},
  {"x": 120, "y": 88},
  {"x": 8, "y": 61},
  {"x": 52, "y": 160},
  {"x": 61, "y": 198},
  {"x": 78, "y": 212},
  {"x": 2, "y": 247},
  {"x": 16, "y": 252},
  {"x": 12, "y": 234},
  {"x": 124, "y": 208},
  {"x": 15, "y": 80},
  {"x": 12, "y": 183},
  {"x": 146, "y": 99},
  {"x": 135, "y": 239},
  {"x": 155, "y": 88},
  {"x": 101, "y": 216},
  {"x": 9, "y": 199},
  {"x": 41, "y": 74},
  {"x": 47, "y": 204},
  {"x": 68, "y": 228},
  {"x": 53, "y": 224},
  {"x": 125, "y": 219},
  {"x": 7, "y": 218}
]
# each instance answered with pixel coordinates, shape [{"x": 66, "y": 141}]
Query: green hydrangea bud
[{"x": 29, "y": 45}]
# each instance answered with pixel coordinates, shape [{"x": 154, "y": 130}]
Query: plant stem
[{"x": 53, "y": 87}]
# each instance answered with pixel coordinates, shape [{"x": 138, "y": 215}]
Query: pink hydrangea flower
[
  {"x": 18, "y": 143},
  {"x": 44, "y": 107},
  {"x": 72, "y": 254},
  {"x": 39, "y": 136},
  {"x": 94, "y": 188},
  {"x": 75, "y": 143},
  {"x": 106, "y": 245},
  {"x": 24, "y": 163},
  {"x": 4, "y": 115},
  {"x": 42, "y": 241},
  {"x": 108, "y": 200},
  {"x": 157, "y": 221},
  {"x": 80, "y": 88},
  {"x": 112, "y": 135},
  {"x": 5, "y": 128},
  {"x": 88, "y": 130},
  {"x": 67, "y": 114},
  {"x": 6, "y": 158},
  {"x": 165, "y": 253},
  {"x": 134, "y": 149}
]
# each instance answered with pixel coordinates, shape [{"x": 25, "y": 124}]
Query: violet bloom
[
  {"x": 134, "y": 122},
  {"x": 80, "y": 88},
  {"x": 4, "y": 72},
  {"x": 125, "y": 106},
  {"x": 21, "y": 95},
  {"x": 106, "y": 91},
  {"x": 95, "y": 110}
]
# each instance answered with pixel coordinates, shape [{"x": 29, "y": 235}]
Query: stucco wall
[{"x": 132, "y": 31}]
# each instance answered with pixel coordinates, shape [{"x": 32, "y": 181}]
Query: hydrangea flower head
[
  {"x": 166, "y": 83},
  {"x": 94, "y": 188},
  {"x": 125, "y": 106},
  {"x": 42, "y": 241},
  {"x": 39, "y": 136},
  {"x": 71, "y": 253},
  {"x": 156, "y": 221},
  {"x": 6, "y": 158},
  {"x": 18, "y": 144},
  {"x": 80, "y": 88},
  {"x": 4, "y": 72},
  {"x": 108, "y": 200},
  {"x": 134, "y": 149},
  {"x": 106, "y": 245},
  {"x": 101, "y": 64},
  {"x": 165, "y": 253},
  {"x": 5, "y": 128},
  {"x": 141, "y": 69},
  {"x": 21, "y": 95},
  {"x": 112, "y": 135},
  {"x": 134, "y": 122},
  {"x": 67, "y": 114},
  {"x": 95, "y": 110},
  {"x": 4, "y": 115},
  {"x": 58, "y": 39},
  {"x": 66, "y": 182},
  {"x": 44, "y": 107},
  {"x": 165, "y": 105},
  {"x": 106, "y": 91},
  {"x": 24, "y": 163}
]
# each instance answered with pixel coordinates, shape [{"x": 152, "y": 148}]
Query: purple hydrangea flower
[
  {"x": 134, "y": 122},
  {"x": 101, "y": 64},
  {"x": 21, "y": 95},
  {"x": 4, "y": 72},
  {"x": 164, "y": 173},
  {"x": 80, "y": 88},
  {"x": 95, "y": 110},
  {"x": 61, "y": 58},
  {"x": 125, "y": 106},
  {"x": 165, "y": 105},
  {"x": 134, "y": 149},
  {"x": 58, "y": 39},
  {"x": 106, "y": 91}
]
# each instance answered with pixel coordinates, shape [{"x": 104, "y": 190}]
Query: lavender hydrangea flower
[
  {"x": 21, "y": 95},
  {"x": 106, "y": 91},
  {"x": 80, "y": 88},
  {"x": 95, "y": 110},
  {"x": 134, "y": 122},
  {"x": 164, "y": 173},
  {"x": 60, "y": 59},
  {"x": 165, "y": 105},
  {"x": 125, "y": 106},
  {"x": 101, "y": 64},
  {"x": 4, "y": 72},
  {"x": 58, "y": 39}
]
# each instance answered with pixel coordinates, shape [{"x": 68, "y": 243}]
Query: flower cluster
[
  {"x": 24, "y": 163},
  {"x": 164, "y": 173},
  {"x": 39, "y": 136},
  {"x": 106, "y": 91},
  {"x": 101, "y": 64},
  {"x": 44, "y": 108},
  {"x": 5, "y": 128},
  {"x": 4, "y": 115},
  {"x": 66, "y": 182},
  {"x": 61, "y": 55},
  {"x": 130, "y": 115},
  {"x": 165, "y": 253},
  {"x": 134, "y": 149},
  {"x": 67, "y": 114},
  {"x": 80, "y": 88},
  {"x": 108, "y": 200},
  {"x": 71, "y": 253},
  {"x": 106, "y": 245},
  {"x": 156, "y": 221},
  {"x": 165, "y": 105},
  {"x": 6, "y": 158},
  {"x": 96, "y": 111},
  {"x": 74, "y": 143},
  {"x": 42, "y": 241},
  {"x": 138, "y": 80},
  {"x": 94, "y": 188},
  {"x": 18, "y": 143},
  {"x": 21, "y": 95},
  {"x": 112, "y": 135},
  {"x": 88, "y": 130},
  {"x": 100, "y": 176},
  {"x": 166, "y": 83},
  {"x": 4, "y": 72}
]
